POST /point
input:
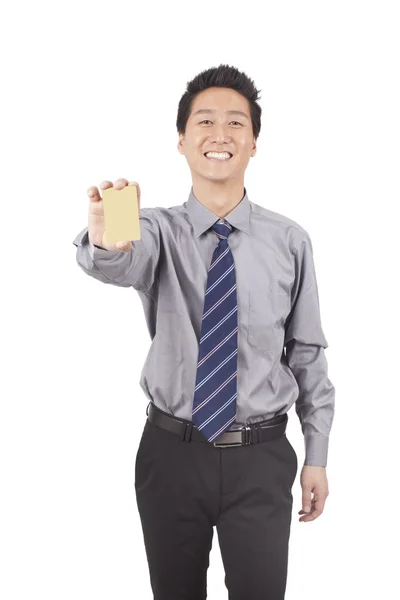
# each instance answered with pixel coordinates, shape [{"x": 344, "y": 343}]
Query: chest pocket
[{"x": 268, "y": 308}]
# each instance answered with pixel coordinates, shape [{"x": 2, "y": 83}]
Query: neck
[{"x": 219, "y": 197}]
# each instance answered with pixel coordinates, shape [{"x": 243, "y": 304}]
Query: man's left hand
[{"x": 313, "y": 479}]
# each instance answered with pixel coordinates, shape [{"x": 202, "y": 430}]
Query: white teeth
[{"x": 219, "y": 155}]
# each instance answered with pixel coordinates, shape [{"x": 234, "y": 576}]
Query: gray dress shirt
[{"x": 281, "y": 344}]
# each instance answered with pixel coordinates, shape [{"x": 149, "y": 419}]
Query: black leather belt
[{"x": 263, "y": 431}]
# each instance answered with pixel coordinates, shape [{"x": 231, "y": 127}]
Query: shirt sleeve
[
  {"x": 136, "y": 268},
  {"x": 305, "y": 352}
]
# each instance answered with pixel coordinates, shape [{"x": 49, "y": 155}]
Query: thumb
[
  {"x": 124, "y": 246},
  {"x": 306, "y": 498}
]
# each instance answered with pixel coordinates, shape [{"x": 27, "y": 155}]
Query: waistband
[{"x": 254, "y": 433}]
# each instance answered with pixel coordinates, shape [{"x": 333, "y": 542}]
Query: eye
[{"x": 210, "y": 121}]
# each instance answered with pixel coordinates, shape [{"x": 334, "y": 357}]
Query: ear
[{"x": 180, "y": 143}]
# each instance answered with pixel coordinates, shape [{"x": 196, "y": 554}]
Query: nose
[{"x": 219, "y": 134}]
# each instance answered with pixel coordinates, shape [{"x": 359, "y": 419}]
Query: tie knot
[{"x": 222, "y": 228}]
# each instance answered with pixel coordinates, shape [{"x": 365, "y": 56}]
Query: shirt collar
[{"x": 203, "y": 218}]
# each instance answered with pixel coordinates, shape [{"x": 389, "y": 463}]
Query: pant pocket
[
  {"x": 141, "y": 449},
  {"x": 292, "y": 455}
]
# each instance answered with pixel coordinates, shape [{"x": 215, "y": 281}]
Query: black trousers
[{"x": 184, "y": 489}]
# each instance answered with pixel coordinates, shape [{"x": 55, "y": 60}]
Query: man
[{"x": 230, "y": 298}]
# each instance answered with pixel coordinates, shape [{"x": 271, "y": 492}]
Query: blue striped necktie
[{"x": 214, "y": 405}]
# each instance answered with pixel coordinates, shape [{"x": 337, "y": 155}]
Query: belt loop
[
  {"x": 258, "y": 436},
  {"x": 247, "y": 435},
  {"x": 252, "y": 434},
  {"x": 187, "y": 433}
]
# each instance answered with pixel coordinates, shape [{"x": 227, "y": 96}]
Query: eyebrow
[{"x": 229, "y": 112}]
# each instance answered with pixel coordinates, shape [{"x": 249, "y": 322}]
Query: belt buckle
[{"x": 246, "y": 429}]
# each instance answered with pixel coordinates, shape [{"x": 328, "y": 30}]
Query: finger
[
  {"x": 312, "y": 516},
  {"x": 124, "y": 246},
  {"x": 106, "y": 184},
  {"x": 304, "y": 512},
  {"x": 306, "y": 499},
  {"x": 320, "y": 504},
  {"x": 316, "y": 510},
  {"x": 137, "y": 189},
  {"x": 120, "y": 183},
  {"x": 93, "y": 193}
]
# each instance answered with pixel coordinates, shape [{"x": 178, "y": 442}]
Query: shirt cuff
[{"x": 316, "y": 449}]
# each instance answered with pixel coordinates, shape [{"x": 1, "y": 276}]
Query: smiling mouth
[{"x": 220, "y": 160}]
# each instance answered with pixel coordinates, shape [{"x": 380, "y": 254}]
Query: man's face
[{"x": 218, "y": 130}]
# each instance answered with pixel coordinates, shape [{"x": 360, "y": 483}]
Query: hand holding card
[{"x": 114, "y": 218}]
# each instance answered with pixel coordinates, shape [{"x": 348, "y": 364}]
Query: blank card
[{"x": 121, "y": 214}]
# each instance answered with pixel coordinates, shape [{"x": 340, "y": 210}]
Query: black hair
[{"x": 221, "y": 76}]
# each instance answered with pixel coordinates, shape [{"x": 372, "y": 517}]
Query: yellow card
[{"x": 121, "y": 214}]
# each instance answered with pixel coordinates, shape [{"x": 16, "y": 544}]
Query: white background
[{"x": 90, "y": 91}]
